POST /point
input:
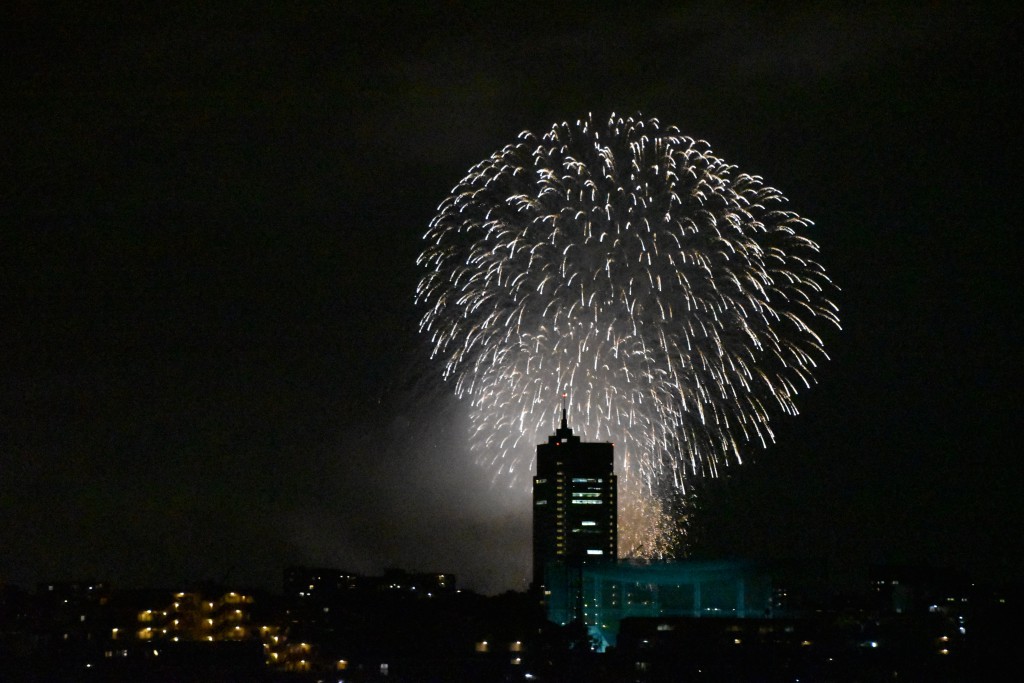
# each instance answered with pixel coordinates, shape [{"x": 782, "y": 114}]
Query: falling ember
[{"x": 674, "y": 299}]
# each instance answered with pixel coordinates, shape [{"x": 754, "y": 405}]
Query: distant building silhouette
[
  {"x": 316, "y": 585},
  {"x": 575, "y": 518}
]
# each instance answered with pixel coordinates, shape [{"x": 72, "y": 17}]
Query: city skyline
[{"x": 210, "y": 366}]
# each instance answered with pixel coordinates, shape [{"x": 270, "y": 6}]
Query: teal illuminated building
[{"x": 601, "y": 595}]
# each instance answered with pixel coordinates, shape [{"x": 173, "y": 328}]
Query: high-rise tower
[{"x": 574, "y": 503}]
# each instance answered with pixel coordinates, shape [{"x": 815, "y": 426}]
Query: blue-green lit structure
[{"x": 611, "y": 591}]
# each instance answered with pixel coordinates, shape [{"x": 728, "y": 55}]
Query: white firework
[{"x": 675, "y": 299}]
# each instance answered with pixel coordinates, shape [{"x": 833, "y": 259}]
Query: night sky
[{"x": 209, "y": 219}]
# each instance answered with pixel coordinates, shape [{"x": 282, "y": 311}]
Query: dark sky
[{"x": 209, "y": 217}]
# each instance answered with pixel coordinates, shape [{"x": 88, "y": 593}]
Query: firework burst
[{"x": 674, "y": 298}]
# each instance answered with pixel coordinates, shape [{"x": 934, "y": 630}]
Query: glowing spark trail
[{"x": 674, "y": 298}]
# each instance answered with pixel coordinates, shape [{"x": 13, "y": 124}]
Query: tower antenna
[{"x": 564, "y": 413}]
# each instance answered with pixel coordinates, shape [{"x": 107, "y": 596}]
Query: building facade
[
  {"x": 575, "y": 517},
  {"x": 602, "y": 594}
]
